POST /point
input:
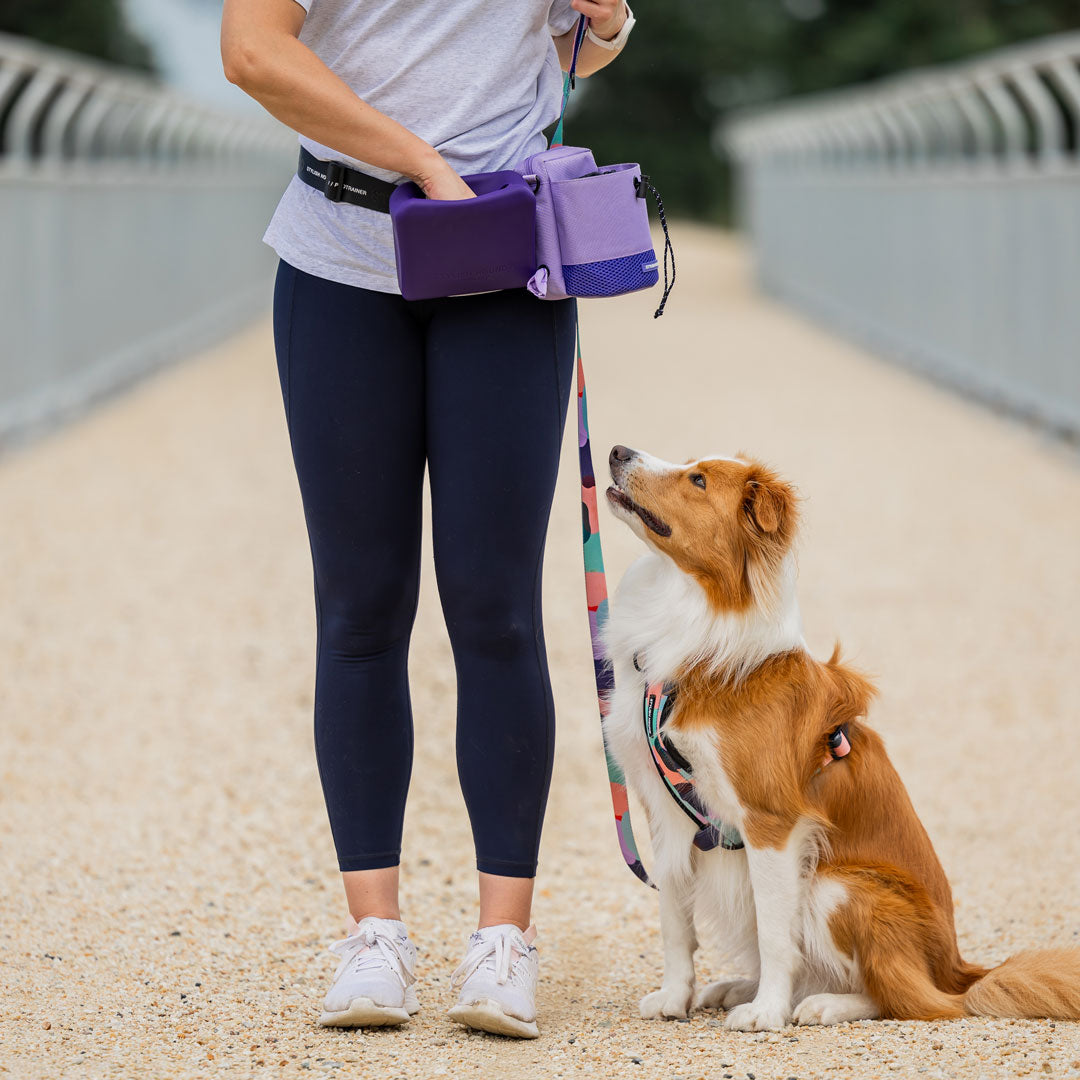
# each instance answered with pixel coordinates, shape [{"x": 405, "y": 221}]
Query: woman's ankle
[
  {"x": 495, "y": 919},
  {"x": 394, "y": 915},
  {"x": 372, "y": 893}
]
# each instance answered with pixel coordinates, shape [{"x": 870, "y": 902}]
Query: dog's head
[{"x": 729, "y": 522}]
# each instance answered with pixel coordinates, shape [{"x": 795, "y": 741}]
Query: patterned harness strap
[{"x": 675, "y": 771}]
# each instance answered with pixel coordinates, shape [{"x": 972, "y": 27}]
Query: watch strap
[{"x": 619, "y": 40}]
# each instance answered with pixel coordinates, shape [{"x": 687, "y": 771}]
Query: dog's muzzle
[{"x": 618, "y": 462}]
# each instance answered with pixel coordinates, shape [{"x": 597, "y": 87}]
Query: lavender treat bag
[{"x": 592, "y": 226}]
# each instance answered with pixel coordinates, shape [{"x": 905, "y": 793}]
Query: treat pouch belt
[{"x": 562, "y": 226}]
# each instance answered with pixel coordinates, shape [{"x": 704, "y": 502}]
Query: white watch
[{"x": 619, "y": 40}]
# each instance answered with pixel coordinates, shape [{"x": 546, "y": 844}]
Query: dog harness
[
  {"x": 676, "y": 773},
  {"x": 678, "y": 777}
]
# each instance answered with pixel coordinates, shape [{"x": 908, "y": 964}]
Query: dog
[{"x": 836, "y": 906}]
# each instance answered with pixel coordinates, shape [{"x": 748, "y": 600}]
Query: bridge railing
[
  {"x": 130, "y": 226},
  {"x": 934, "y": 216}
]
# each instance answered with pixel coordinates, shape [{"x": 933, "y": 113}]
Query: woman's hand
[
  {"x": 605, "y": 16},
  {"x": 441, "y": 182}
]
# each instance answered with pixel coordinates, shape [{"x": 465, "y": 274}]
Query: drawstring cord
[{"x": 668, "y": 249}]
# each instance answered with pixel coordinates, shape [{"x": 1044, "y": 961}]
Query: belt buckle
[{"x": 335, "y": 181}]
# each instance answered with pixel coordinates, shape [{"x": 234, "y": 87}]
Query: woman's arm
[
  {"x": 606, "y": 18},
  {"x": 261, "y": 54}
]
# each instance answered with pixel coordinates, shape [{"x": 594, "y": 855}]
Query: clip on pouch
[
  {"x": 592, "y": 226},
  {"x": 455, "y": 247}
]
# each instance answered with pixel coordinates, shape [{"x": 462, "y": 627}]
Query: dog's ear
[{"x": 769, "y": 502}]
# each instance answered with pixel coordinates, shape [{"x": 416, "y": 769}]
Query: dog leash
[
  {"x": 596, "y": 597},
  {"x": 657, "y": 697}
]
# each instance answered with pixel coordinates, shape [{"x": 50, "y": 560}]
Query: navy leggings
[{"x": 477, "y": 387}]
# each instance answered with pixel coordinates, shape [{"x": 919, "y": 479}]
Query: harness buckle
[{"x": 335, "y": 181}]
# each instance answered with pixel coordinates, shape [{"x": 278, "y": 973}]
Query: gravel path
[{"x": 167, "y": 883}]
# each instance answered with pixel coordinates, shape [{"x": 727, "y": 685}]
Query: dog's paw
[
  {"x": 725, "y": 994},
  {"x": 667, "y": 1003},
  {"x": 835, "y": 1009},
  {"x": 758, "y": 1016}
]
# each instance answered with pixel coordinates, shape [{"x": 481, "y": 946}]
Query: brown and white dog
[{"x": 837, "y": 908}]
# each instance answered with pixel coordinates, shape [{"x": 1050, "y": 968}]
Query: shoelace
[
  {"x": 372, "y": 949},
  {"x": 501, "y": 946}
]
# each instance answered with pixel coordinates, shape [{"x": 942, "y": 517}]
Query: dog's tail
[{"x": 1036, "y": 984}]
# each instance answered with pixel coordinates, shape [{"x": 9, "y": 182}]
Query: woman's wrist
[{"x": 427, "y": 164}]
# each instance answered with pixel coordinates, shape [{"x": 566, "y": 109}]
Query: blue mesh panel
[{"x": 612, "y": 277}]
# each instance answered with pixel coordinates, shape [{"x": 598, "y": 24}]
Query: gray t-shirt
[{"x": 477, "y": 81}]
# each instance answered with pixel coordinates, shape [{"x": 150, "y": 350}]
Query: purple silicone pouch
[
  {"x": 544, "y": 170},
  {"x": 602, "y": 221},
  {"x": 457, "y": 247}
]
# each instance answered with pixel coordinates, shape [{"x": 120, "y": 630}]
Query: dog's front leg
[
  {"x": 776, "y": 876},
  {"x": 672, "y": 1000}
]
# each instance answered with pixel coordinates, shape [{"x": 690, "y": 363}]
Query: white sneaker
[
  {"x": 498, "y": 982},
  {"x": 373, "y": 985}
]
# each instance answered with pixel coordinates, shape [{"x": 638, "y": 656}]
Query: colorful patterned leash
[
  {"x": 595, "y": 580},
  {"x": 597, "y": 599}
]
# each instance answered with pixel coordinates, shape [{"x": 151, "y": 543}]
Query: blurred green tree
[
  {"x": 690, "y": 61},
  {"x": 94, "y": 27}
]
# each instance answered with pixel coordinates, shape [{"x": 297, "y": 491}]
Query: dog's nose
[{"x": 620, "y": 453}]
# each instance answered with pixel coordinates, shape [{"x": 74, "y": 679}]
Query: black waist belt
[{"x": 339, "y": 183}]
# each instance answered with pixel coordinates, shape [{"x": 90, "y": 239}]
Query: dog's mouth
[{"x": 618, "y": 497}]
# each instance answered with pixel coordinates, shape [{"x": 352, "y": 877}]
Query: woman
[{"x": 374, "y": 386}]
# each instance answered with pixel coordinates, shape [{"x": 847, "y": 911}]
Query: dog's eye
[{"x": 698, "y": 479}]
